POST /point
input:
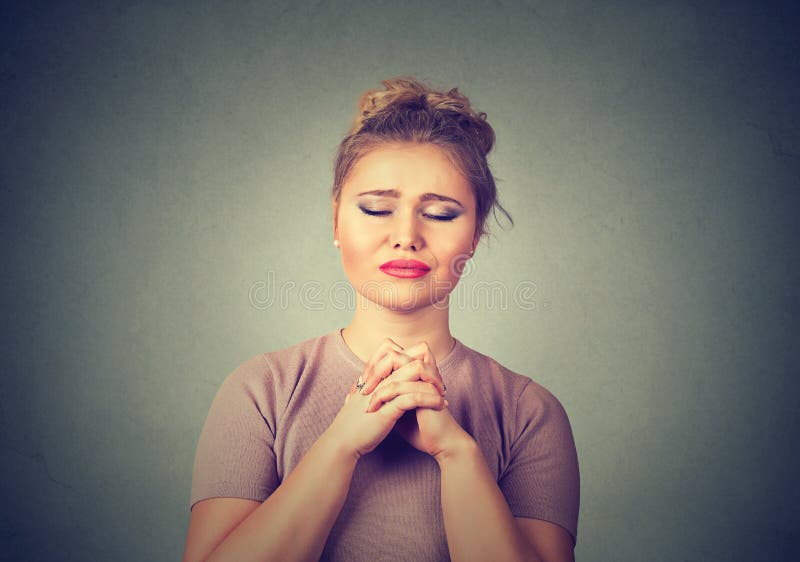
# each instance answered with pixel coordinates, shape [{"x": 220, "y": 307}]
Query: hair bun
[{"x": 404, "y": 95}]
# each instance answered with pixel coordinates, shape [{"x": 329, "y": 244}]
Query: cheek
[
  {"x": 355, "y": 247},
  {"x": 456, "y": 255},
  {"x": 352, "y": 260}
]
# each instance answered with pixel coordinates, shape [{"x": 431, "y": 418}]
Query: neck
[{"x": 370, "y": 325}]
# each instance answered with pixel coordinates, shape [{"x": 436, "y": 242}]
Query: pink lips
[{"x": 405, "y": 268}]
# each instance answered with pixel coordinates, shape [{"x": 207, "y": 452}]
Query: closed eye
[
  {"x": 429, "y": 216},
  {"x": 374, "y": 213},
  {"x": 440, "y": 217}
]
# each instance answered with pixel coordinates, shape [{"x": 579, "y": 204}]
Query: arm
[
  {"x": 479, "y": 524},
  {"x": 294, "y": 522}
]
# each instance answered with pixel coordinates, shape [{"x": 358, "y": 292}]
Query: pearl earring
[{"x": 336, "y": 243}]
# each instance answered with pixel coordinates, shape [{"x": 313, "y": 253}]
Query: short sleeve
[
  {"x": 541, "y": 480},
  {"x": 235, "y": 455}
]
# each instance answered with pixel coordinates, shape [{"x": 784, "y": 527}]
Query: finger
[
  {"x": 422, "y": 351},
  {"x": 385, "y": 347},
  {"x": 356, "y": 388},
  {"x": 392, "y": 361},
  {"x": 388, "y": 392},
  {"x": 419, "y": 370},
  {"x": 417, "y": 349},
  {"x": 412, "y": 401}
]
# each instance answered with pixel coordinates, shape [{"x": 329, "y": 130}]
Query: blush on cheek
[
  {"x": 458, "y": 262},
  {"x": 349, "y": 262}
]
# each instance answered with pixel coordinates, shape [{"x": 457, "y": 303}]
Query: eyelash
[{"x": 441, "y": 218}]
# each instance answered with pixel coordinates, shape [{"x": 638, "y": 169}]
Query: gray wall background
[{"x": 162, "y": 159}]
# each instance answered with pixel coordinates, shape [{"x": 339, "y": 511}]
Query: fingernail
[{"x": 446, "y": 403}]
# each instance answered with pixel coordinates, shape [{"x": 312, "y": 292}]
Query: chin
[{"x": 405, "y": 306}]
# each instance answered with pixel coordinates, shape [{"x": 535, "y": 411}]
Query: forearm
[
  {"x": 477, "y": 520},
  {"x": 294, "y": 522}
]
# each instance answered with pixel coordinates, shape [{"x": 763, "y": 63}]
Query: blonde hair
[{"x": 411, "y": 112}]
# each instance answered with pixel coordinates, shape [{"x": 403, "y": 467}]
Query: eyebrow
[{"x": 396, "y": 194}]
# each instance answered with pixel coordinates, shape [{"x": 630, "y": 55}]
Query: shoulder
[
  {"x": 268, "y": 365},
  {"x": 269, "y": 377},
  {"x": 521, "y": 387},
  {"x": 540, "y": 410},
  {"x": 531, "y": 401},
  {"x": 298, "y": 355}
]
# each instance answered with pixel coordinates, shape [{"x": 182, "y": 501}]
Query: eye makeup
[
  {"x": 374, "y": 212},
  {"x": 443, "y": 216}
]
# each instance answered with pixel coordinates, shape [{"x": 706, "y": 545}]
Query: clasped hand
[{"x": 397, "y": 381}]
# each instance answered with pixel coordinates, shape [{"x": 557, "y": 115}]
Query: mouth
[{"x": 405, "y": 268}]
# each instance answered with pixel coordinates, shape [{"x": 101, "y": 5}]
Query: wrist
[
  {"x": 463, "y": 448},
  {"x": 337, "y": 448}
]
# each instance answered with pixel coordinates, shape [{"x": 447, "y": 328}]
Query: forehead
[{"x": 411, "y": 169}]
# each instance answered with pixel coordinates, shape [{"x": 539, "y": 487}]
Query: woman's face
[{"x": 405, "y": 202}]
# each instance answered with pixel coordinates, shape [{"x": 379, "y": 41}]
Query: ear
[
  {"x": 476, "y": 239},
  {"x": 335, "y": 216}
]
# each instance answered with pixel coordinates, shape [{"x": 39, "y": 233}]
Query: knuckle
[
  {"x": 379, "y": 370},
  {"x": 432, "y": 376}
]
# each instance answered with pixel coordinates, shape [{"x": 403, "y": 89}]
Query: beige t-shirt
[{"x": 273, "y": 407}]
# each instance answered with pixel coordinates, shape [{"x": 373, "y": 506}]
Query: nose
[{"x": 406, "y": 234}]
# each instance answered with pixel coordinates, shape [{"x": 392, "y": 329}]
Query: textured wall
[{"x": 160, "y": 161}]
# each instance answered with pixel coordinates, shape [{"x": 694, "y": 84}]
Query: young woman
[{"x": 389, "y": 439}]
